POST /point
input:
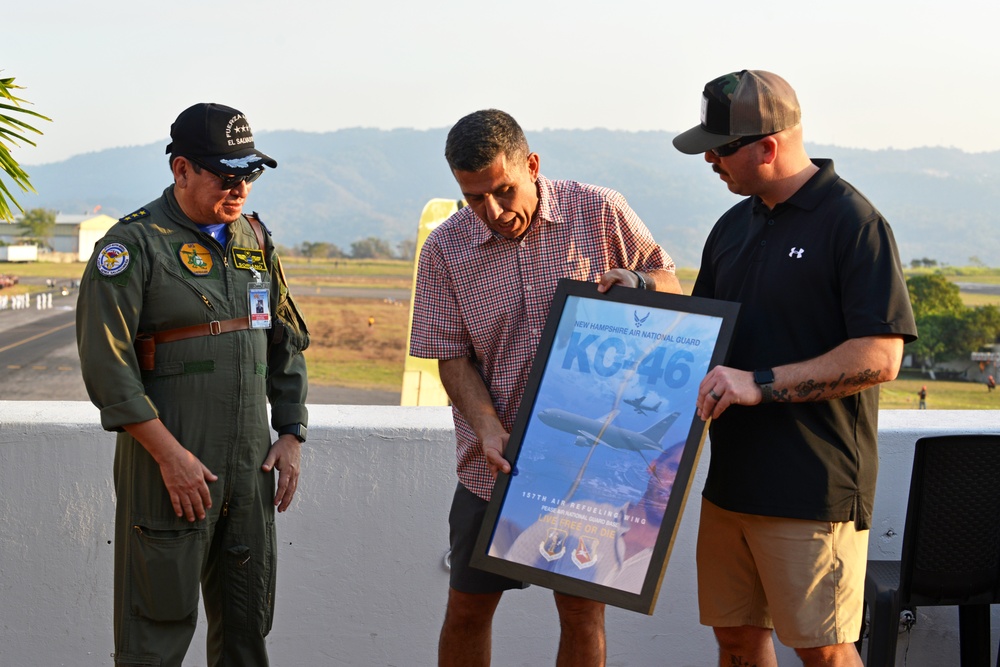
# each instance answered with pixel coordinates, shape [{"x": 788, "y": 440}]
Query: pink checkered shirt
[{"x": 481, "y": 295}]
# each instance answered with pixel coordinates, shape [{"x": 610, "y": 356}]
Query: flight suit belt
[
  {"x": 145, "y": 343},
  {"x": 213, "y": 328}
]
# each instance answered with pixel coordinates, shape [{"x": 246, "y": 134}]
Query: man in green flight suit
[{"x": 182, "y": 367}]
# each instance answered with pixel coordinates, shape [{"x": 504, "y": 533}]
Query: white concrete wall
[{"x": 361, "y": 581}]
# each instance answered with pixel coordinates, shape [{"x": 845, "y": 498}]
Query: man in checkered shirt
[{"x": 484, "y": 284}]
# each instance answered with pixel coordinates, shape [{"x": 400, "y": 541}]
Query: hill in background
[{"x": 343, "y": 186}]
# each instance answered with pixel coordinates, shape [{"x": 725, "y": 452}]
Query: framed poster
[{"x": 605, "y": 443}]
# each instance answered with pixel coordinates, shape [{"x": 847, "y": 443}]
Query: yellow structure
[
  {"x": 91, "y": 231},
  {"x": 73, "y": 236},
  {"x": 421, "y": 382}
]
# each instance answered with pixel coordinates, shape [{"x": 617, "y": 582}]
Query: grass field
[
  {"x": 346, "y": 351},
  {"x": 901, "y": 394}
]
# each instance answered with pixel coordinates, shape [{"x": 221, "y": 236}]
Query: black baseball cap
[
  {"x": 741, "y": 104},
  {"x": 218, "y": 137}
]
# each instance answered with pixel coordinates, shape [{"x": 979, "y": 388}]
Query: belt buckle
[{"x": 215, "y": 327}]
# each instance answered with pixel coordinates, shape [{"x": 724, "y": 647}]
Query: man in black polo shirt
[{"x": 825, "y": 313}]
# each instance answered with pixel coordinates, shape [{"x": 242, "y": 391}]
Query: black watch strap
[
  {"x": 298, "y": 430},
  {"x": 642, "y": 281},
  {"x": 765, "y": 380}
]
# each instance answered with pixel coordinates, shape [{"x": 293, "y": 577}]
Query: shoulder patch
[
  {"x": 135, "y": 215},
  {"x": 113, "y": 260}
]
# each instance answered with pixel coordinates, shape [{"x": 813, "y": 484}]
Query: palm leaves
[{"x": 12, "y": 130}]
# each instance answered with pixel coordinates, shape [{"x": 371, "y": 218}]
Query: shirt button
[
  {"x": 527, "y": 288},
  {"x": 770, "y": 222},
  {"x": 763, "y": 243},
  {"x": 534, "y": 332}
]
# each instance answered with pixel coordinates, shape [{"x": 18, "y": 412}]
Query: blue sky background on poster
[
  {"x": 550, "y": 459},
  {"x": 566, "y": 388},
  {"x": 583, "y": 378}
]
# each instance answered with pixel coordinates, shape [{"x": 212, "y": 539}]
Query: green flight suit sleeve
[
  {"x": 287, "y": 382},
  {"x": 107, "y": 320}
]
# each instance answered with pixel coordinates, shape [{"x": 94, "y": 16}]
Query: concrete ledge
[{"x": 361, "y": 580}]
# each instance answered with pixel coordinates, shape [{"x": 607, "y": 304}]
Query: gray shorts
[{"x": 465, "y": 520}]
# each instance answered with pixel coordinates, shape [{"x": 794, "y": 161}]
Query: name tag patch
[{"x": 249, "y": 258}]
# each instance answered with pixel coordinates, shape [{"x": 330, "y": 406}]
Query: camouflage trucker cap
[{"x": 741, "y": 104}]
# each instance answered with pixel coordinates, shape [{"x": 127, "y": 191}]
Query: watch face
[{"x": 765, "y": 376}]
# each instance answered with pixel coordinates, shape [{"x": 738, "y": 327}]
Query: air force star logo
[{"x": 242, "y": 162}]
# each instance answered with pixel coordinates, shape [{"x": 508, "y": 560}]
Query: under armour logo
[{"x": 796, "y": 252}]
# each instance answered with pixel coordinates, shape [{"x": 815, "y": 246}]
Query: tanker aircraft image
[{"x": 600, "y": 431}]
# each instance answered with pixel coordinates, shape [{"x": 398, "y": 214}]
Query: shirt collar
[{"x": 812, "y": 192}]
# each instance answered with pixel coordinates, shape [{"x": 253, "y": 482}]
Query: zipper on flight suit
[
  {"x": 229, "y": 281},
  {"x": 194, "y": 289}
]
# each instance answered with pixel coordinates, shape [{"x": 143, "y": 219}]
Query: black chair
[{"x": 951, "y": 547}]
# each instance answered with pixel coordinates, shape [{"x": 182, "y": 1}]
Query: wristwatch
[
  {"x": 765, "y": 380},
  {"x": 298, "y": 430},
  {"x": 642, "y": 281}
]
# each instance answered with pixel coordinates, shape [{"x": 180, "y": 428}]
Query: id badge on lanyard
[{"x": 259, "y": 296}]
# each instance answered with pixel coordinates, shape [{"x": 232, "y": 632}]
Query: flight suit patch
[
  {"x": 196, "y": 258},
  {"x": 115, "y": 263},
  {"x": 249, "y": 258}
]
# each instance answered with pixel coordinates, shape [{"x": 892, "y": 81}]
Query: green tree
[
  {"x": 407, "y": 249},
  {"x": 39, "y": 223},
  {"x": 982, "y": 327},
  {"x": 947, "y": 328},
  {"x": 371, "y": 248},
  {"x": 12, "y": 129},
  {"x": 933, "y": 294},
  {"x": 319, "y": 250}
]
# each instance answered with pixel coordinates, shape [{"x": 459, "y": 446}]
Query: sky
[{"x": 874, "y": 74}]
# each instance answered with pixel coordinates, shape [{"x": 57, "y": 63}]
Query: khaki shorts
[{"x": 803, "y": 578}]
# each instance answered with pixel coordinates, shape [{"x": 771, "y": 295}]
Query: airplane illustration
[
  {"x": 590, "y": 431},
  {"x": 636, "y": 403}
]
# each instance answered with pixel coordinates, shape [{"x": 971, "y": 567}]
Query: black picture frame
[{"x": 590, "y": 509}]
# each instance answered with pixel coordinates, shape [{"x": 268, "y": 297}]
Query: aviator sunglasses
[
  {"x": 726, "y": 150},
  {"x": 230, "y": 182}
]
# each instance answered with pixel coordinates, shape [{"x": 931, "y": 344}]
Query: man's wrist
[
  {"x": 298, "y": 430},
  {"x": 764, "y": 378}
]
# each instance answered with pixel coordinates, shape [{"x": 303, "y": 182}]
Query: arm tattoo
[
  {"x": 803, "y": 389},
  {"x": 811, "y": 390}
]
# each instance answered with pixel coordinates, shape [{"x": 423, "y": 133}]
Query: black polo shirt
[{"x": 817, "y": 270}]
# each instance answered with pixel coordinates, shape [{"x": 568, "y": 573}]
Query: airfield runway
[{"x": 39, "y": 361}]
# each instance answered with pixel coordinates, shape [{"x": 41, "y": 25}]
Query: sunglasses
[
  {"x": 726, "y": 150},
  {"x": 230, "y": 182}
]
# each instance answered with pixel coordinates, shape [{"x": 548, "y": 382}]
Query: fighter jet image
[
  {"x": 640, "y": 408},
  {"x": 590, "y": 431}
]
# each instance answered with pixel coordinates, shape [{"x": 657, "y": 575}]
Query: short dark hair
[{"x": 477, "y": 139}]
